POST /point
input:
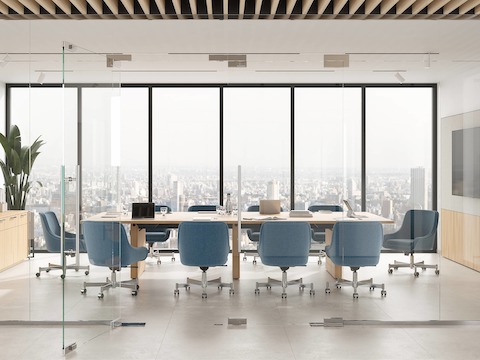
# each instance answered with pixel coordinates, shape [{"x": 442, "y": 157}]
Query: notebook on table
[{"x": 269, "y": 207}]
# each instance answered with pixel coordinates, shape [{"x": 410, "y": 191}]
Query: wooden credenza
[{"x": 13, "y": 238}]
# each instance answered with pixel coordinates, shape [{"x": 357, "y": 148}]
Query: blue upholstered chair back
[
  {"x": 318, "y": 231},
  {"x": 203, "y": 243},
  {"x": 154, "y": 232},
  {"x": 284, "y": 243},
  {"x": 356, "y": 243},
  {"x": 419, "y": 226},
  {"x": 202, "y": 208},
  {"x": 107, "y": 245},
  {"x": 51, "y": 233}
]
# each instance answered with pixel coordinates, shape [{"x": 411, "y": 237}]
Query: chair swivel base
[
  {"x": 112, "y": 283},
  {"x": 203, "y": 283},
  {"x": 284, "y": 283},
  {"x": 51, "y": 266},
  {"x": 355, "y": 283},
  {"x": 321, "y": 254},
  {"x": 158, "y": 254},
  {"x": 412, "y": 265},
  {"x": 255, "y": 255}
]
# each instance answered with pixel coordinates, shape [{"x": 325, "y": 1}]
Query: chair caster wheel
[
  {"x": 62, "y": 276},
  {"x": 284, "y": 296},
  {"x": 48, "y": 270},
  {"x": 312, "y": 292},
  {"x": 371, "y": 288},
  {"x": 87, "y": 272},
  {"x": 138, "y": 286},
  {"x": 355, "y": 295},
  {"x": 37, "y": 274},
  {"x": 416, "y": 274},
  {"x": 384, "y": 293},
  {"x": 437, "y": 272},
  {"x": 159, "y": 262},
  {"x": 327, "y": 291},
  {"x": 390, "y": 271},
  {"x": 254, "y": 262},
  {"x": 100, "y": 295},
  {"x": 173, "y": 259},
  {"x": 257, "y": 292},
  {"x": 83, "y": 291},
  {"x": 338, "y": 286},
  {"x": 176, "y": 293},
  {"x": 268, "y": 287},
  {"x": 231, "y": 292},
  {"x": 134, "y": 293},
  {"x": 204, "y": 296}
]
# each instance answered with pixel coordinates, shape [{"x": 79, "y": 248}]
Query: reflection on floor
[{"x": 187, "y": 327}]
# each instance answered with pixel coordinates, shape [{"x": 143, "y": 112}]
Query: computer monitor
[{"x": 350, "y": 212}]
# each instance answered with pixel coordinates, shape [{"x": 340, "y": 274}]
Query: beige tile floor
[{"x": 187, "y": 327}]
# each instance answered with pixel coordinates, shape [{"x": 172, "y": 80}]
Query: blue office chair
[
  {"x": 318, "y": 231},
  {"x": 356, "y": 244},
  {"x": 199, "y": 208},
  {"x": 253, "y": 234},
  {"x": 52, "y": 235},
  {"x": 284, "y": 244},
  {"x": 417, "y": 233},
  {"x": 107, "y": 245},
  {"x": 203, "y": 244},
  {"x": 157, "y": 234}
]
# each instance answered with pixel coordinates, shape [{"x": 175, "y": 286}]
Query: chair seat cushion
[
  {"x": 399, "y": 244},
  {"x": 157, "y": 236}
]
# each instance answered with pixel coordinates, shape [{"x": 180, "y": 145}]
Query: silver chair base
[
  {"x": 255, "y": 256},
  {"x": 152, "y": 253},
  {"x": 112, "y": 283},
  {"x": 52, "y": 266},
  {"x": 284, "y": 283},
  {"x": 203, "y": 283},
  {"x": 412, "y": 265},
  {"x": 321, "y": 254},
  {"x": 355, "y": 283}
]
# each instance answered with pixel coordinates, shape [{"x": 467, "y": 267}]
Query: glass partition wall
[{"x": 181, "y": 145}]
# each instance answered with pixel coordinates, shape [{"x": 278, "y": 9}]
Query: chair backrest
[
  {"x": 107, "y": 245},
  {"x": 52, "y": 240},
  {"x": 314, "y": 208},
  {"x": 356, "y": 243},
  {"x": 420, "y": 225},
  {"x": 256, "y": 208},
  {"x": 284, "y": 243},
  {"x": 203, "y": 243},
  {"x": 203, "y": 208},
  {"x": 155, "y": 227}
]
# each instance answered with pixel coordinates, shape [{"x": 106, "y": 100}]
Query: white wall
[{"x": 3, "y": 94}]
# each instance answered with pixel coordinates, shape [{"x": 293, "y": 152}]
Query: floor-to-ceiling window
[
  {"x": 327, "y": 145},
  {"x": 398, "y": 150},
  {"x": 186, "y": 146}
]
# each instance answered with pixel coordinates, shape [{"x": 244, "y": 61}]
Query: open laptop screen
[
  {"x": 269, "y": 207},
  {"x": 143, "y": 210}
]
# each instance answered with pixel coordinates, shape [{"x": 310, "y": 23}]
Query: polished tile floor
[{"x": 189, "y": 327}]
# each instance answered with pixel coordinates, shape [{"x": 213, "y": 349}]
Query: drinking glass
[{"x": 163, "y": 210}]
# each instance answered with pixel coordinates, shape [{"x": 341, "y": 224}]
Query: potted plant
[{"x": 17, "y": 167}]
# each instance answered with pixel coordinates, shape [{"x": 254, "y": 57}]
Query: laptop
[
  {"x": 269, "y": 207},
  {"x": 350, "y": 212},
  {"x": 143, "y": 210}
]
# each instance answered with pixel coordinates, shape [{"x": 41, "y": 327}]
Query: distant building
[
  {"x": 273, "y": 190},
  {"x": 418, "y": 188}
]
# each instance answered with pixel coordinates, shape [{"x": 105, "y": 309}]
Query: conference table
[{"x": 172, "y": 220}]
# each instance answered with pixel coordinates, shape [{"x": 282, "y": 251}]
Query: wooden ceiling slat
[
  {"x": 354, "y": 5},
  {"x": 241, "y": 9},
  {"x": 112, "y": 5},
  {"x": 129, "y": 6},
  {"x": 210, "y": 9},
  {"x": 403, "y": 5},
  {"x": 258, "y": 7},
  {"x": 338, "y": 6},
  {"x": 386, "y": 5},
  {"x": 15, "y": 5},
  {"x": 452, "y": 5},
  {"x": 145, "y": 5},
  {"x": 161, "y": 6},
  {"x": 178, "y": 7},
  {"x": 307, "y": 4},
  {"x": 31, "y": 5},
  {"x": 225, "y": 9},
  {"x": 436, "y": 5},
  {"x": 3, "y": 8},
  {"x": 467, "y": 6},
  {"x": 81, "y": 5},
  {"x": 290, "y": 6},
  {"x": 419, "y": 5},
  {"x": 322, "y": 5},
  {"x": 370, "y": 5},
  {"x": 65, "y": 5},
  {"x": 97, "y": 5}
]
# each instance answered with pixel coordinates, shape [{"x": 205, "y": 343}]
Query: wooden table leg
[
  {"x": 137, "y": 238},
  {"x": 332, "y": 269},
  {"x": 235, "y": 253}
]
